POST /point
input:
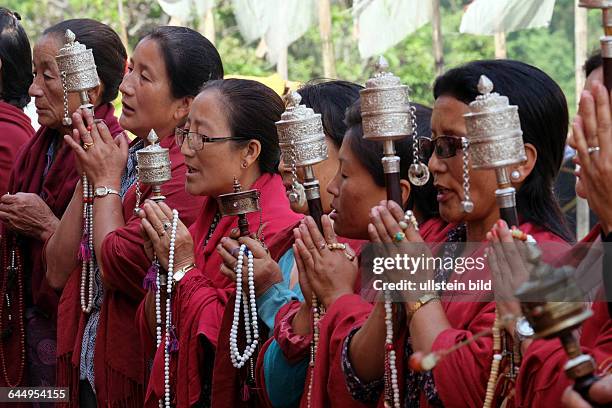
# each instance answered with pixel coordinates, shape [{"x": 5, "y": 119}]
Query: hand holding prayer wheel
[{"x": 99, "y": 155}]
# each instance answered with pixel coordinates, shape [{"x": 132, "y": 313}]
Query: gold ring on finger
[
  {"x": 87, "y": 145},
  {"x": 336, "y": 245}
]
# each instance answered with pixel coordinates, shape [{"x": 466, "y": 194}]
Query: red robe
[
  {"x": 120, "y": 361},
  {"x": 56, "y": 190},
  {"x": 201, "y": 297},
  {"x": 541, "y": 379},
  {"x": 461, "y": 378},
  {"x": 15, "y": 132},
  {"x": 346, "y": 313}
]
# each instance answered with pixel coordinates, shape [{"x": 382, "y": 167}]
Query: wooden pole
[
  {"x": 209, "y": 25},
  {"x": 438, "y": 46},
  {"x": 327, "y": 44},
  {"x": 500, "y": 46},
  {"x": 122, "y": 28},
  {"x": 282, "y": 64},
  {"x": 580, "y": 41}
]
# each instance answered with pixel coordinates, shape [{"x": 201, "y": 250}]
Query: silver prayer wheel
[
  {"x": 493, "y": 130},
  {"x": 494, "y": 141},
  {"x": 238, "y": 202},
  {"x": 77, "y": 62},
  {"x": 77, "y": 68},
  {"x": 385, "y": 106},
  {"x": 300, "y": 133},
  {"x": 154, "y": 166}
]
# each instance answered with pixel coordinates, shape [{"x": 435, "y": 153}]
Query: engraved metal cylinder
[
  {"x": 238, "y": 203},
  {"x": 300, "y": 134},
  {"x": 77, "y": 62},
  {"x": 385, "y": 107},
  {"x": 493, "y": 130},
  {"x": 154, "y": 166}
]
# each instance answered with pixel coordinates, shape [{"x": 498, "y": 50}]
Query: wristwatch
[
  {"x": 180, "y": 274},
  {"x": 103, "y": 191},
  {"x": 523, "y": 329}
]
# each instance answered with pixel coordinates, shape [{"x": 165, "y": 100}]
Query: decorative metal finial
[
  {"x": 382, "y": 65},
  {"x": 485, "y": 86},
  {"x": 69, "y": 37},
  {"x": 293, "y": 99},
  {"x": 152, "y": 137}
]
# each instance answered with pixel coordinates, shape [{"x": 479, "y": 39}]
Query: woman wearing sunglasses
[
  {"x": 431, "y": 323},
  {"x": 99, "y": 355},
  {"x": 230, "y": 135}
]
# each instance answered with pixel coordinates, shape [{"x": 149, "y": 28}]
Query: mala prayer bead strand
[
  {"x": 249, "y": 305},
  {"x": 169, "y": 329},
  {"x": 316, "y": 318},
  {"x": 392, "y": 397},
  {"x": 495, "y": 364},
  {"x": 86, "y": 252},
  {"x": 14, "y": 262}
]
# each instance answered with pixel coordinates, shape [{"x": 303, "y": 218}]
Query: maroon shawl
[
  {"x": 56, "y": 190},
  {"x": 201, "y": 298},
  {"x": 15, "y": 132}
]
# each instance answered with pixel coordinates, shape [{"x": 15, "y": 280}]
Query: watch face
[
  {"x": 524, "y": 328},
  {"x": 100, "y": 191}
]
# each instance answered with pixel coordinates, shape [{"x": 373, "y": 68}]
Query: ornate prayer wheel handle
[{"x": 606, "y": 54}]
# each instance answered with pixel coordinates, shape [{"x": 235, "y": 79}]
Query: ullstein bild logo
[{"x": 431, "y": 285}]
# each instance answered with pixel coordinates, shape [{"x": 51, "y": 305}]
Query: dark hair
[
  {"x": 191, "y": 60},
  {"x": 369, "y": 153},
  {"x": 330, "y": 98},
  {"x": 544, "y": 119},
  {"x": 252, "y": 112},
  {"x": 16, "y": 57},
  {"x": 108, "y": 50},
  {"x": 595, "y": 61}
]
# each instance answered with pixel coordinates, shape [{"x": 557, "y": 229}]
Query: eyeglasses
[
  {"x": 196, "y": 140},
  {"x": 446, "y": 147}
]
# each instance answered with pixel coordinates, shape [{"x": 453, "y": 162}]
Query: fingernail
[{"x": 375, "y": 212}]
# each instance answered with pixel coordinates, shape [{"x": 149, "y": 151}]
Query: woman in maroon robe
[
  {"x": 15, "y": 79},
  {"x": 41, "y": 185},
  {"x": 234, "y": 120},
  {"x": 357, "y": 186},
  {"x": 100, "y": 356},
  {"x": 460, "y": 380}
]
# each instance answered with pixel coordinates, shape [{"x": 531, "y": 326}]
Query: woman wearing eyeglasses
[
  {"x": 429, "y": 323},
  {"x": 230, "y": 135},
  {"x": 100, "y": 356}
]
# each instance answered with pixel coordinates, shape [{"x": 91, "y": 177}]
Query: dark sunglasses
[
  {"x": 196, "y": 140},
  {"x": 446, "y": 147}
]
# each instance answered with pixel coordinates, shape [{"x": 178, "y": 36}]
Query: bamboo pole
[
  {"x": 438, "y": 45},
  {"x": 209, "y": 25},
  {"x": 327, "y": 44},
  {"x": 580, "y": 44},
  {"x": 122, "y": 28},
  {"x": 282, "y": 64},
  {"x": 500, "y": 46}
]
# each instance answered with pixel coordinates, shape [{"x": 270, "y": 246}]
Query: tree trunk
[
  {"x": 580, "y": 41},
  {"x": 438, "y": 45},
  {"x": 327, "y": 43},
  {"x": 500, "y": 46}
]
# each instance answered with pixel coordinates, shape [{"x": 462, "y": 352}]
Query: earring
[
  {"x": 467, "y": 204},
  {"x": 244, "y": 165},
  {"x": 515, "y": 175}
]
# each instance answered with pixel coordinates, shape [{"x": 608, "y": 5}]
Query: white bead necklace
[
  {"x": 86, "y": 249},
  {"x": 169, "y": 330},
  {"x": 248, "y": 302},
  {"x": 391, "y": 385}
]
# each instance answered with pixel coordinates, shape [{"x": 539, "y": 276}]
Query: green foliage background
[{"x": 551, "y": 49}]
